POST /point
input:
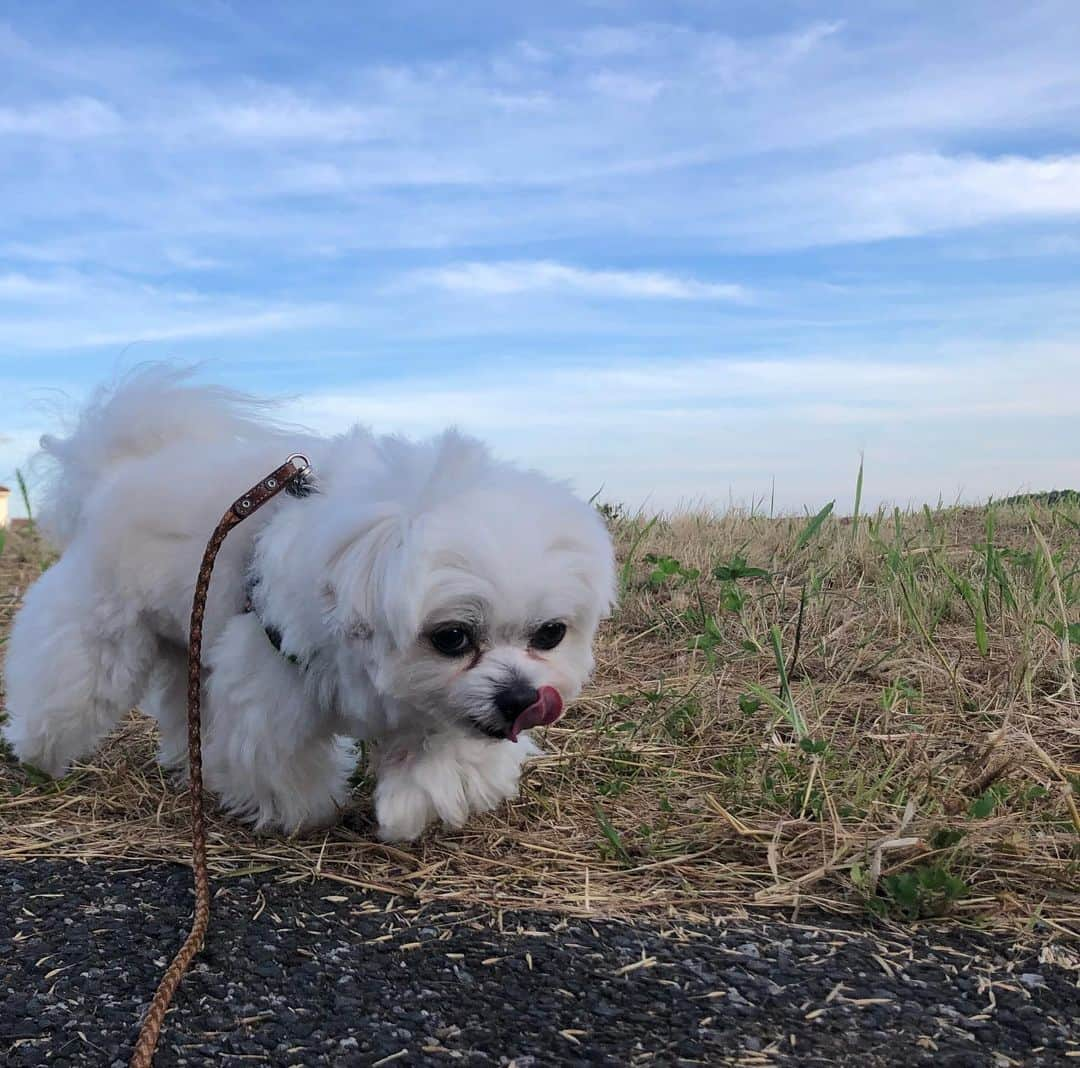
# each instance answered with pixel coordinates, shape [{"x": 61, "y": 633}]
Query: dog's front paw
[
  {"x": 402, "y": 810},
  {"x": 445, "y": 778},
  {"x": 491, "y": 772}
]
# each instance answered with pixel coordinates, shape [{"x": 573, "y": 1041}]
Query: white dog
[{"x": 426, "y": 599}]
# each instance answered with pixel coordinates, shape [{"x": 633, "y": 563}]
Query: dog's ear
[
  {"x": 321, "y": 573},
  {"x": 286, "y": 587},
  {"x": 349, "y": 624},
  {"x": 361, "y": 573}
]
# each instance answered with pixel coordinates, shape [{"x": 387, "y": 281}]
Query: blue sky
[{"x": 677, "y": 250}]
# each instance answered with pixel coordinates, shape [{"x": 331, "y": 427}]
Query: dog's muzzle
[{"x": 523, "y": 707}]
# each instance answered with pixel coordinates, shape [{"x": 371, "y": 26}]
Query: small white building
[{"x": 5, "y": 518}]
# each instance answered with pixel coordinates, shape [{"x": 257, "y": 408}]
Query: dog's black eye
[
  {"x": 548, "y": 635},
  {"x": 453, "y": 639}
]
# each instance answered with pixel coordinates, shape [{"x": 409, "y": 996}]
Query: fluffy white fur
[{"x": 400, "y": 537}]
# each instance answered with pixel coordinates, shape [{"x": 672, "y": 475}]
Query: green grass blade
[
  {"x": 811, "y": 528},
  {"x": 25, "y": 495},
  {"x": 858, "y": 499},
  {"x": 981, "y": 638},
  {"x": 786, "y": 705},
  {"x": 778, "y": 651},
  {"x": 627, "y": 571},
  {"x": 974, "y": 603},
  {"x": 613, "y": 837}
]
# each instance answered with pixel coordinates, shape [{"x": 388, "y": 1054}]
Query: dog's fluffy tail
[{"x": 146, "y": 410}]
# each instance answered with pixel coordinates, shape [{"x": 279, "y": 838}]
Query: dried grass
[{"x": 899, "y": 769}]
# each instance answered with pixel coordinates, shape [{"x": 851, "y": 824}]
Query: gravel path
[{"x": 312, "y": 974}]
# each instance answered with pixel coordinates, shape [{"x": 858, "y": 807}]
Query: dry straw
[{"x": 812, "y": 711}]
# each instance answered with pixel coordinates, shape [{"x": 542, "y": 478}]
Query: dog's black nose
[{"x": 513, "y": 698}]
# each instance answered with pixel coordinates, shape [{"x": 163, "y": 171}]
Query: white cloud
[
  {"x": 680, "y": 393},
  {"x": 530, "y": 276},
  {"x": 21, "y": 287},
  {"x": 604, "y": 42},
  {"x": 190, "y": 261},
  {"x": 695, "y": 429},
  {"x": 830, "y": 375},
  {"x": 114, "y": 311},
  {"x": 915, "y": 194},
  {"x": 222, "y": 326},
  {"x": 72, "y": 119},
  {"x": 278, "y": 115},
  {"x": 898, "y": 196},
  {"x": 821, "y": 133},
  {"x": 626, "y": 87}
]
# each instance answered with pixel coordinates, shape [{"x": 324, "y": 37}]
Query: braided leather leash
[{"x": 287, "y": 475}]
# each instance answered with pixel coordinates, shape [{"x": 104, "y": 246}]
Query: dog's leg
[
  {"x": 76, "y": 662},
  {"x": 269, "y": 752},
  {"x": 446, "y": 775},
  {"x": 166, "y": 702}
]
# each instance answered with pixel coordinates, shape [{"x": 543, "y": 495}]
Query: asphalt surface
[{"x": 316, "y": 973}]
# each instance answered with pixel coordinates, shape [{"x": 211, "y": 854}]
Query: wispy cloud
[
  {"x": 916, "y": 194},
  {"x": 530, "y": 276},
  {"x": 21, "y": 287},
  {"x": 664, "y": 393},
  {"x": 112, "y": 311},
  {"x": 74, "y": 119},
  {"x": 279, "y": 115}
]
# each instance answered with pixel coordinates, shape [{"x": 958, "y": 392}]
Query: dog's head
[{"x": 469, "y": 594}]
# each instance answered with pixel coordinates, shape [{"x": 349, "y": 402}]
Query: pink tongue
[{"x": 543, "y": 711}]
